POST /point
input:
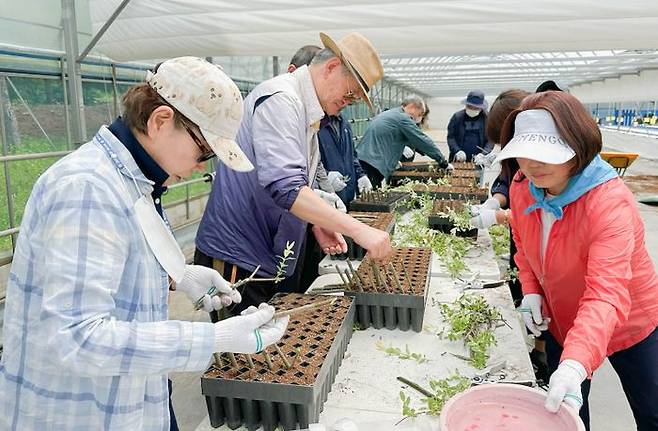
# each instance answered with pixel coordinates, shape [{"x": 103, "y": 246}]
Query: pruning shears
[
  {"x": 475, "y": 283},
  {"x": 496, "y": 374}
]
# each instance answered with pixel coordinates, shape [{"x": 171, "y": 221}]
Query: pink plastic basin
[{"x": 505, "y": 407}]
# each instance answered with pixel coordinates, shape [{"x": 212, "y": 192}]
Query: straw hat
[{"x": 360, "y": 57}]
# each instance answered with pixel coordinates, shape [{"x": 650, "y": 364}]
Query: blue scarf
[{"x": 594, "y": 174}]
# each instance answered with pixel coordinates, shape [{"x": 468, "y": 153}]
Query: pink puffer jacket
[{"x": 598, "y": 281}]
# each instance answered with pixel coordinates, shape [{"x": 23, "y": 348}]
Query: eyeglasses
[
  {"x": 350, "y": 97},
  {"x": 206, "y": 153}
]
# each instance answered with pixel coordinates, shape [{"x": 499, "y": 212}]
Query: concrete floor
[{"x": 609, "y": 408}]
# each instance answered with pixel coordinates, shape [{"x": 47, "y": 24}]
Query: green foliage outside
[{"x": 23, "y": 174}]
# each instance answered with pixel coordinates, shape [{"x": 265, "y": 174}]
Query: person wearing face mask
[
  {"x": 584, "y": 268},
  {"x": 87, "y": 340},
  {"x": 388, "y": 134},
  {"x": 250, "y": 224},
  {"x": 466, "y": 129}
]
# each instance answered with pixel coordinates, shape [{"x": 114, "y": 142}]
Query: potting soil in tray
[
  {"x": 440, "y": 220},
  {"x": 377, "y": 201},
  {"x": 314, "y": 345},
  {"x": 382, "y": 221},
  {"x": 393, "y": 297}
]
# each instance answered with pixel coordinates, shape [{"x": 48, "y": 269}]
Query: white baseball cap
[
  {"x": 203, "y": 93},
  {"x": 536, "y": 137}
]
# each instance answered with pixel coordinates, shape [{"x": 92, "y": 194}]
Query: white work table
[{"x": 366, "y": 389}]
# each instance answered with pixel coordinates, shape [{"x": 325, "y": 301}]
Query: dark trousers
[
  {"x": 373, "y": 174},
  {"x": 173, "y": 425},
  {"x": 637, "y": 368},
  {"x": 514, "y": 285},
  {"x": 308, "y": 267}
]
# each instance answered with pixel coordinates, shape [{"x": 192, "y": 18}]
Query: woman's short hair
[
  {"x": 139, "y": 102},
  {"x": 574, "y": 123}
]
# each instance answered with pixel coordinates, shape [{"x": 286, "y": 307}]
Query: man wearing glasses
[
  {"x": 87, "y": 340},
  {"x": 250, "y": 217}
]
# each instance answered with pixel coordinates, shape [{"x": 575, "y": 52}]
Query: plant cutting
[
  {"x": 500, "y": 239},
  {"x": 471, "y": 319},
  {"x": 435, "y": 398},
  {"x": 396, "y": 351},
  {"x": 415, "y": 232}
]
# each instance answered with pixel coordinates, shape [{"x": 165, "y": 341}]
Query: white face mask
[
  {"x": 160, "y": 239},
  {"x": 158, "y": 236},
  {"x": 472, "y": 112}
]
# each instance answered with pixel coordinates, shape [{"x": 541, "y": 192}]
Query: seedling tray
[
  {"x": 458, "y": 178},
  {"x": 438, "y": 219},
  {"x": 432, "y": 165},
  {"x": 420, "y": 166},
  {"x": 393, "y": 304},
  {"x": 377, "y": 201},
  {"x": 472, "y": 194},
  {"x": 464, "y": 165},
  {"x": 314, "y": 343},
  {"x": 381, "y": 221}
]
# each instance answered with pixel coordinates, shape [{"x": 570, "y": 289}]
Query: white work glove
[
  {"x": 484, "y": 219},
  {"x": 408, "y": 152},
  {"x": 490, "y": 204},
  {"x": 201, "y": 282},
  {"x": 460, "y": 156},
  {"x": 450, "y": 167},
  {"x": 565, "y": 384},
  {"x": 337, "y": 180},
  {"x": 364, "y": 184},
  {"x": 530, "y": 309},
  {"x": 251, "y": 331},
  {"x": 332, "y": 199},
  {"x": 479, "y": 159}
]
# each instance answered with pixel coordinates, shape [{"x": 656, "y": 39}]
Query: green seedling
[
  {"x": 435, "y": 398},
  {"x": 405, "y": 355},
  {"x": 471, "y": 319}
]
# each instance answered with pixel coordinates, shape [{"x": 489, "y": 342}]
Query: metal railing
[{"x": 49, "y": 67}]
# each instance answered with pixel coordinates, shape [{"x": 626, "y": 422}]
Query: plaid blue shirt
[{"x": 87, "y": 343}]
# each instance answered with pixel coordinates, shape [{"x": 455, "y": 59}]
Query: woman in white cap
[
  {"x": 87, "y": 340},
  {"x": 583, "y": 264}
]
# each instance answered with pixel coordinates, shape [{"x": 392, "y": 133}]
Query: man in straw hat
[
  {"x": 251, "y": 217},
  {"x": 87, "y": 340}
]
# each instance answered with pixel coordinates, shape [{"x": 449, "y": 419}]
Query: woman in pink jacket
[{"x": 583, "y": 263}]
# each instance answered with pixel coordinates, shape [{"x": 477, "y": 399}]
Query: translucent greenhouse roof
[
  {"x": 451, "y": 75},
  {"x": 440, "y": 47}
]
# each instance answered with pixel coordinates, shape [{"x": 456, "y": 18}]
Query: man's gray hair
[
  {"x": 416, "y": 101},
  {"x": 323, "y": 56},
  {"x": 304, "y": 55}
]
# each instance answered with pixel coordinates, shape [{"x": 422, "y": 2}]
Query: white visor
[{"x": 536, "y": 138}]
